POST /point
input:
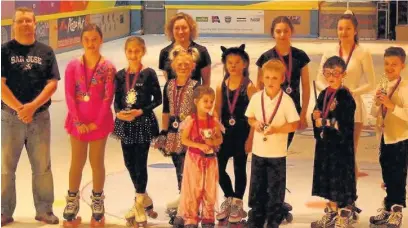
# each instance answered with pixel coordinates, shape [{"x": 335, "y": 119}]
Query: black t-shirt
[
  {"x": 165, "y": 63},
  {"x": 27, "y": 70},
  {"x": 300, "y": 59}
]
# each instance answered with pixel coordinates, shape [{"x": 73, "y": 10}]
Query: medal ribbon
[
  {"x": 232, "y": 106},
  {"x": 326, "y": 105},
  {"x": 349, "y": 57},
  {"x": 274, "y": 111},
  {"x": 384, "y": 109},
  {"x": 288, "y": 72},
  {"x": 178, "y": 98},
  {"x": 86, "y": 74},
  {"x": 127, "y": 78}
]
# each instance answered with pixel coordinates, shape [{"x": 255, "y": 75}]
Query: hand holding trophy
[{"x": 207, "y": 134}]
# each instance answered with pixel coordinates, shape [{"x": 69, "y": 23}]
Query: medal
[
  {"x": 321, "y": 134},
  {"x": 288, "y": 73},
  {"x": 175, "y": 124},
  {"x": 231, "y": 107},
  {"x": 273, "y": 113},
  {"x": 131, "y": 94},
  {"x": 231, "y": 121},
  {"x": 87, "y": 97},
  {"x": 327, "y": 104}
]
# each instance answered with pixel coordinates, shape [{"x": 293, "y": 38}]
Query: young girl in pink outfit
[
  {"x": 201, "y": 133},
  {"x": 89, "y": 90}
]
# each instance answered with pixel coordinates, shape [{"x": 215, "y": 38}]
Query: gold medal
[
  {"x": 86, "y": 98},
  {"x": 182, "y": 116}
]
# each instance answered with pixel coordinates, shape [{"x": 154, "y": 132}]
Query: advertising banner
[
  {"x": 112, "y": 24},
  {"x": 35, "y": 5},
  {"x": 228, "y": 21},
  {"x": 49, "y": 7},
  {"x": 7, "y": 9},
  {"x": 42, "y": 32},
  {"x": 69, "y": 31}
]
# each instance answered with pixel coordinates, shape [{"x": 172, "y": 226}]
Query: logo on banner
[
  {"x": 215, "y": 19},
  {"x": 202, "y": 19},
  {"x": 255, "y": 19},
  {"x": 241, "y": 19},
  {"x": 228, "y": 19}
]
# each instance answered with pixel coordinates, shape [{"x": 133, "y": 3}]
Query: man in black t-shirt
[{"x": 29, "y": 76}]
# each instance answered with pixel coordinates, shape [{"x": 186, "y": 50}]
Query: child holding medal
[
  {"x": 391, "y": 110},
  {"x": 135, "y": 124},
  {"x": 202, "y": 134},
  {"x": 273, "y": 115},
  {"x": 89, "y": 91},
  {"x": 334, "y": 164},
  {"x": 177, "y": 105},
  {"x": 232, "y": 100}
]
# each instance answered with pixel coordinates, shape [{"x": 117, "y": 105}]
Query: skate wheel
[
  {"x": 287, "y": 206},
  {"x": 140, "y": 224},
  {"x": 289, "y": 218},
  {"x": 171, "y": 221},
  {"x": 152, "y": 214},
  {"x": 130, "y": 222},
  {"x": 73, "y": 223},
  {"x": 99, "y": 223},
  {"x": 223, "y": 223}
]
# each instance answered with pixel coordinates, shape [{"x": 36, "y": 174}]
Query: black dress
[
  {"x": 145, "y": 127},
  {"x": 334, "y": 164}
]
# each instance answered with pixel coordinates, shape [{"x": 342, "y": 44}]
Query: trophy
[
  {"x": 131, "y": 99},
  {"x": 383, "y": 84},
  {"x": 207, "y": 134}
]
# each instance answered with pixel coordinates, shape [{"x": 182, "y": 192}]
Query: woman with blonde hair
[{"x": 182, "y": 30}]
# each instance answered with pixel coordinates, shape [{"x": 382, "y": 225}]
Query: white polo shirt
[{"x": 276, "y": 144}]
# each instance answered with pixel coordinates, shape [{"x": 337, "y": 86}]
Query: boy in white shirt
[
  {"x": 391, "y": 110},
  {"x": 273, "y": 115}
]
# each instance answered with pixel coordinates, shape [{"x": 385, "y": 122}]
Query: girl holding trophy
[
  {"x": 136, "y": 124},
  {"x": 201, "y": 133}
]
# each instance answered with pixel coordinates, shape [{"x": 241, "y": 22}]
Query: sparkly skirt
[{"x": 141, "y": 130}]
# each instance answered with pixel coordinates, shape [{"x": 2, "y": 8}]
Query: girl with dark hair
[
  {"x": 297, "y": 68},
  {"x": 136, "y": 124},
  {"x": 89, "y": 86},
  {"x": 359, "y": 65},
  {"x": 334, "y": 164},
  {"x": 232, "y": 99}
]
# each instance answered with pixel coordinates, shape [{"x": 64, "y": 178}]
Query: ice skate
[
  {"x": 237, "y": 213},
  {"x": 328, "y": 220},
  {"x": 71, "y": 211},
  {"x": 395, "y": 218},
  {"x": 98, "y": 210},
  {"x": 225, "y": 210}
]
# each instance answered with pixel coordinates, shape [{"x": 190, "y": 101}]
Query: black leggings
[
  {"x": 178, "y": 161},
  {"x": 135, "y": 156}
]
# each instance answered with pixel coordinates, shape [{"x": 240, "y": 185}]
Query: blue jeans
[{"x": 35, "y": 136}]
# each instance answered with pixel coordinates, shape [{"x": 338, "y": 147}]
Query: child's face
[
  {"x": 134, "y": 52},
  {"x": 282, "y": 32},
  {"x": 273, "y": 79},
  {"x": 205, "y": 103},
  {"x": 393, "y": 67},
  {"x": 334, "y": 76},
  {"x": 235, "y": 64},
  {"x": 91, "y": 41},
  {"x": 346, "y": 30},
  {"x": 183, "y": 65}
]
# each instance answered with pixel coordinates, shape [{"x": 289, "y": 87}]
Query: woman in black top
[
  {"x": 182, "y": 30},
  {"x": 297, "y": 68},
  {"x": 135, "y": 123}
]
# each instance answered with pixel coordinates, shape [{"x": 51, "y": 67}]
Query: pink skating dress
[{"x": 98, "y": 109}]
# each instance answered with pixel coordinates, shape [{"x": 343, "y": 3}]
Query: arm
[
  {"x": 251, "y": 90},
  {"x": 162, "y": 61},
  {"x": 70, "y": 94},
  {"x": 217, "y": 139},
  {"x": 368, "y": 69},
  {"x": 117, "y": 104},
  {"x": 320, "y": 80},
  {"x": 166, "y": 109},
  {"x": 185, "y": 137},
  {"x": 285, "y": 129},
  {"x": 45, "y": 95},
  {"x": 8, "y": 97},
  {"x": 305, "y": 95},
  {"x": 108, "y": 97},
  {"x": 401, "y": 111},
  {"x": 154, "y": 87},
  {"x": 259, "y": 82},
  {"x": 218, "y": 101},
  {"x": 206, "y": 75},
  {"x": 375, "y": 107}
]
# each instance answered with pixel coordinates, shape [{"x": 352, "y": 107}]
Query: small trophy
[
  {"x": 384, "y": 84},
  {"x": 131, "y": 99},
  {"x": 206, "y": 133}
]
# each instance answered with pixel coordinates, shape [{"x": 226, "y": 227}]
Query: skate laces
[
  {"x": 395, "y": 218},
  {"x": 97, "y": 203},
  {"x": 382, "y": 214},
  {"x": 225, "y": 205},
  {"x": 71, "y": 205},
  {"x": 341, "y": 221}
]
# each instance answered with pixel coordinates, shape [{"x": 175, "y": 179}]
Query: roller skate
[
  {"x": 237, "y": 214},
  {"x": 178, "y": 222},
  {"x": 98, "y": 210},
  {"x": 148, "y": 206},
  {"x": 395, "y": 219},
  {"x": 287, "y": 208},
  {"x": 355, "y": 211},
  {"x": 343, "y": 218},
  {"x": 71, "y": 210},
  {"x": 207, "y": 225},
  {"x": 328, "y": 220},
  {"x": 380, "y": 219},
  {"x": 136, "y": 216},
  {"x": 222, "y": 216},
  {"x": 171, "y": 210}
]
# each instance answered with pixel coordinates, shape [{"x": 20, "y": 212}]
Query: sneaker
[
  {"x": 381, "y": 218},
  {"x": 6, "y": 220},
  {"x": 395, "y": 219},
  {"x": 47, "y": 217}
]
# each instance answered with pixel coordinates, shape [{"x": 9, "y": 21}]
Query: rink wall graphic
[{"x": 60, "y": 22}]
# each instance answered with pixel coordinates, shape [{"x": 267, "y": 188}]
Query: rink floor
[{"x": 162, "y": 185}]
